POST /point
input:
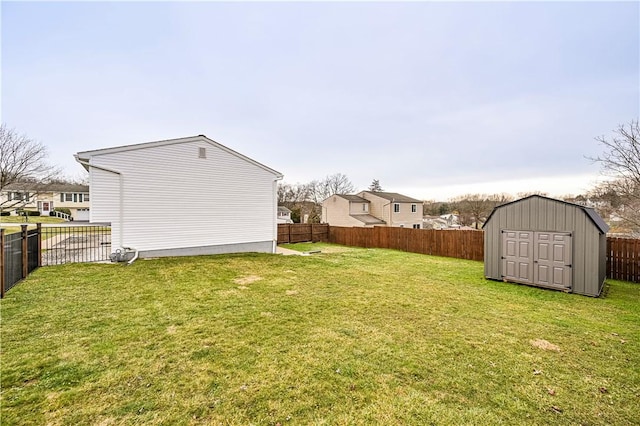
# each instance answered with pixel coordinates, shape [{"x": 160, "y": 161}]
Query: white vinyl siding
[
  {"x": 105, "y": 204},
  {"x": 224, "y": 199}
]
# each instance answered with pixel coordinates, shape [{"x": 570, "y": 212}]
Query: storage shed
[{"x": 547, "y": 243}]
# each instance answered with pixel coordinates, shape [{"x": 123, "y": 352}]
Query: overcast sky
[{"x": 433, "y": 99}]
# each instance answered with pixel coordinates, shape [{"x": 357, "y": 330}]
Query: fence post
[
  {"x": 25, "y": 253},
  {"x": 1, "y": 263},
  {"x": 39, "y": 236}
]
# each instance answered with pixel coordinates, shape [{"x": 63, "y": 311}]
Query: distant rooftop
[{"x": 393, "y": 196}]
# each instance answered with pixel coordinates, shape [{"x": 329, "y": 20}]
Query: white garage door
[{"x": 82, "y": 214}]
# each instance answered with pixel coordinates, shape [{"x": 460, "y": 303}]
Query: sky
[{"x": 433, "y": 99}]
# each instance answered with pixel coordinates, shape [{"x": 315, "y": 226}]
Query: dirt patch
[
  {"x": 247, "y": 280},
  {"x": 544, "y": 345},
  {"x": 291, "y": 292},
  {"x": 171, "y": 329}
]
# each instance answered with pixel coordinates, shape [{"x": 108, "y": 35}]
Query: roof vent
[{"x": 202, "y": 152}]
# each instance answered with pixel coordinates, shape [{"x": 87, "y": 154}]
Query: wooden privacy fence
[
  {"x": 465, "y": 244},
  {"x": 302, "y": 232},
  {"x": 623, "y": 254},
  {"x": 623, "y": 259}
]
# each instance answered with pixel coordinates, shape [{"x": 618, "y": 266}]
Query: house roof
[
  {"x": 589, "y": 211},
  {"x": 353, "y": 198},
  {"x": 84, "y": 156},
  {"x": 47, "y": 187},
  {"x": 393, "y": 196},
  {"x": 368, "y": 219},
  {"x": 283, "y": 209}
]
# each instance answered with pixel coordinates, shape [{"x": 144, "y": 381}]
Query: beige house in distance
[
  {"x": 46, "y": 198},
  {"x": 368, "y": 209}
]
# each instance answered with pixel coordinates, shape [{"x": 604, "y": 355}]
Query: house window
[
  {"x": 202, "y": 152},
  {"x": 19, "y": 196},
  {"x": 416, "y": 226},
  {"x": 68, "y": 197},
  {"x": 86, "y": 196},
  {"x": 396, "y": 208},
  {"x": 364, "y": 207},
  {"x": 414, "y": 208}
]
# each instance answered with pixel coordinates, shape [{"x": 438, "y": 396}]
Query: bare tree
[
  {"x": 333, "y": 184},
  {"x": 305, "y": 199},
  {"x": 22, "y": 160},
  {"x": 621, "y": 161},
  {"x": 473, "y": 209},
  {"x": 530, "y": 193}
]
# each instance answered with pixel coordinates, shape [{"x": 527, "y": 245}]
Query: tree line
[{"x": 24, "y": 160}]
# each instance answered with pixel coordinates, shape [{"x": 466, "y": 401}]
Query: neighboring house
[
  {"x": 445, "y": 221},
  {"x": 284, "y": 215},
  {"x": 367, "y": 209},
  {"x": 46, "y": 197},
  {"x": 434, "y": 222},
  {"x": 348, "y": 210},
  {"x": 183, "y": 196}
]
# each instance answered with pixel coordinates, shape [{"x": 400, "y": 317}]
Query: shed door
[
  {"x": 517, "y": 256},
  {"x": 552, "y": 259}
]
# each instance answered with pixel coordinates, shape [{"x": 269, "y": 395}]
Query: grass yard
[
  {"x": 19, "y": 220},
  {"x": 348, "y": 336}
]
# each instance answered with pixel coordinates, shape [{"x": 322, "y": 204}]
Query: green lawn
[
  {"x": 19, "y": 220},
  {"x": 32, "y": 219},
  {"x": 347, "y": 336}
]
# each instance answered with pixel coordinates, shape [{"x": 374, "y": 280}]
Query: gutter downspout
[
  {"x": 121, "y": 184},
  {"x": 274, "y": 245}
]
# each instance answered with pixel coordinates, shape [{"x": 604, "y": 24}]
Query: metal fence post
[
  {"x": 25, "y": 252},
  {"x": 1, "y": 263},
  {"x": 39, "y": 227}
]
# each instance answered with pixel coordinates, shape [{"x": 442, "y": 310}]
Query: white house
[
  {"x": 284, "y": 215},
  {"x": 183, "y": 196}
]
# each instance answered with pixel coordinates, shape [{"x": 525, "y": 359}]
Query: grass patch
[
  {"x": 19, "y": 220},
  {"x": 355, "y": 337},
  {"x": 32, "y": 219}
]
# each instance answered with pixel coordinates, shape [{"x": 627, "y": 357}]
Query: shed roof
[
  {"x": 589, "y": 211},
  {"x": 394, "y": 197},
  {"x": 84, "y": 156},
  {"x": 353, "y": 198},
  {"x": 368, "y": 219},
  {"x": 283, "y": 209}
]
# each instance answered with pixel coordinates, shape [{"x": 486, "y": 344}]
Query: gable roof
[
  {"x": 283, "y": 209},
  {"x": 46, "y": 187},
  {"x": 84, "y": 156},
  {"x": 393, "y": 196},
  {"x": 589, "y": 211}
]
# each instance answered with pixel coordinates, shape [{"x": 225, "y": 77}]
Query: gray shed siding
[{"x": 537, "y": 213}]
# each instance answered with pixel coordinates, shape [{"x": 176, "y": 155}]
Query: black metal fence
[
  {"x": 24, "y": 251},
  {"x": 75, "y": 244},
  {"x": 19, "y": 256}
]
